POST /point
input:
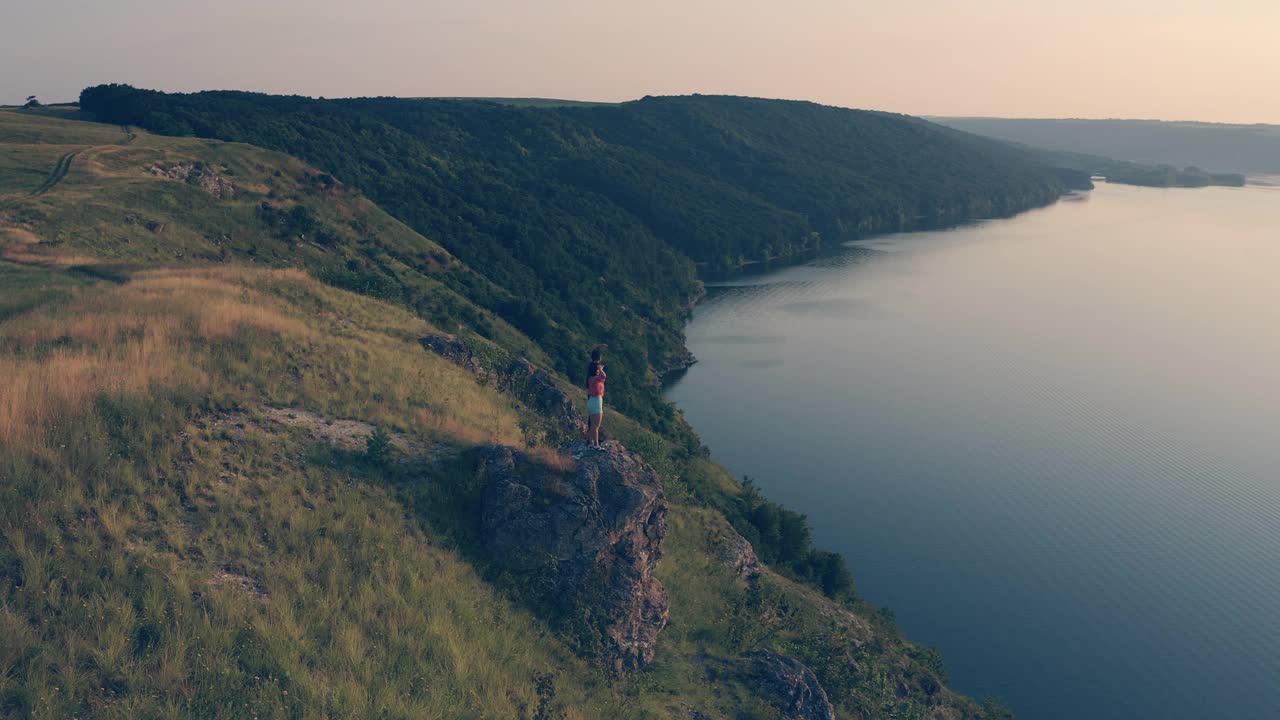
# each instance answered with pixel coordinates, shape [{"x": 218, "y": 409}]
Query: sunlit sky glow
[{"x": 1169, "y": 59}]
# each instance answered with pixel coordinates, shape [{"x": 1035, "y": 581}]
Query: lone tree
[{"x": 32, "y": 102}]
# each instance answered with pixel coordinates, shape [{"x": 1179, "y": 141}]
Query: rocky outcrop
[
  {"x": 539, "y": 390},
  {"x": 737, "y": 553},
  {"x": 792, "y": 685},
  {"x": 199, "y": 174},
  {"x": 452, "y": 349},
  {"x": 593, "y": 534}
]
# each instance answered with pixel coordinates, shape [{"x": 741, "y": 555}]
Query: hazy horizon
[{"x": 1123, "y": 59}]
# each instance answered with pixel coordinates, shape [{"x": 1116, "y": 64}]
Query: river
[{"x": 1051, "y": 444}]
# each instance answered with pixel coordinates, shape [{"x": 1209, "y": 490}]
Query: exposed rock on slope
[
  {"x": 792, "y": 684},
  {"x": 199, "y": 174},
  {"x": 737, "y": 553},
  {"x": 594, "y": 533},
  {"x": 537, "y": 389},
  {"x": 452, "y": 349},
  {"x": 532, "y": 385}
]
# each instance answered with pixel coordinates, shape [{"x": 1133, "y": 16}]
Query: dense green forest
[{"x": 591, "y": 219}]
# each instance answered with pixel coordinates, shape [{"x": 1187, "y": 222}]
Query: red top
[{"x": 595, "y": 386}]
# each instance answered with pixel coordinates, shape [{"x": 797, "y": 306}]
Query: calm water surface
[{"x": 1051, "y": 444}]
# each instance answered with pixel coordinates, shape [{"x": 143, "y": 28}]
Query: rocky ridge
[
  {"x": 792, "y": 685},
  {"x": 199, "y": 174},
  {"x": 591, "y": 535}
]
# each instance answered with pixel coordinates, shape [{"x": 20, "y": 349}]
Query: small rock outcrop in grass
[
  {"x": 199, "y": 174},
  {"x": 533, "y": 386},
  {"x": 229, "y": 580},
  {"x": 737, "y": 553},
  {"x": 539, "y": 390},
  {"x": 792, "y": 685},
  {"x": 591, "y": 534},
  {"x": 452, "y": 349}
]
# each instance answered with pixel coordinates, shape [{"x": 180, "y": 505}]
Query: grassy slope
[{"x": 171, "y": 547}]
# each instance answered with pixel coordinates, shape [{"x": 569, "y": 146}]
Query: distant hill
[
  {"x": 528, "y": 101},
  {"x": 1248, "y": 149}
]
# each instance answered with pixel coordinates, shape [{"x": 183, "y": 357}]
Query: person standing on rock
[{"x": 595, "y": 396}]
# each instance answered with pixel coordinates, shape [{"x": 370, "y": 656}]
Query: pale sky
[{"x": 1215, "y": 60}]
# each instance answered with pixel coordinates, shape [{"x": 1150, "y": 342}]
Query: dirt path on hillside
[{"x": 59, "y": 173}]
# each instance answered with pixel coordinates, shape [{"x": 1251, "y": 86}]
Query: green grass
[
  {"x": 26, "y": 288},
  {"x": 56, "y": 126}
]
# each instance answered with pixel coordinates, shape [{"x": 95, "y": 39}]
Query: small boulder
[
  {"x": 593, "y": 533},
  {"x": 792, "y": 685},
  {"x": 737, "y": 553}
]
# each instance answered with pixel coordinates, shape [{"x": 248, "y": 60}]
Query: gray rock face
[
  {"x": 451, "y": 349},
  {"x": 538, "y": 389},
  {"x": 594, "y": 532},
  {"x": 737, "y": 553},
  {"x": 199, "y": 174},
  {"x": 793, "y": 685}
]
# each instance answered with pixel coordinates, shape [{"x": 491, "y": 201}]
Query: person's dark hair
[{"x": 593, "y": 367}]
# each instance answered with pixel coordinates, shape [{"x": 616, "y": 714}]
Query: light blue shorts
[{"x": 595, "y": 405}]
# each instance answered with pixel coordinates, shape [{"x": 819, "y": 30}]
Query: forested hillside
[
  {"x": 251, "y": 447},
  {"x": 591, "y": 218}
]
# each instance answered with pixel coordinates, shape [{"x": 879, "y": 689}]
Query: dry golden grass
[
  {"x": 551, "y": 458},
  {"x": 294, "y": 342},
  {"x": 18, "y": 235},
  {"x": 431, "y": 423},
  {"x": 141, "y": 335},
  {"x": 34, "y": 394},
  {"x": 172, "y": 308}
]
